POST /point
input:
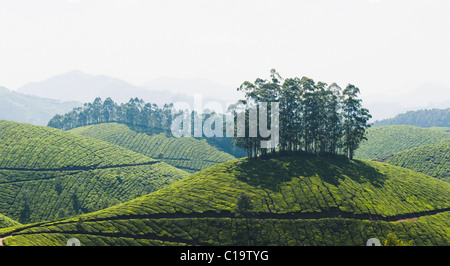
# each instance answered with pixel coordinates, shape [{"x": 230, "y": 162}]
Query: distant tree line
[
  {"x": 420, "y": 118},
  {"x": 135, "y": 113},
  {"x": 313, "y": 117}
]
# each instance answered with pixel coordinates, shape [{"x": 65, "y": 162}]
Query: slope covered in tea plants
[
  {"x": 47, "y": 173},
  {"x": 298, "y": 200},
  {"x": 432, "y": 160},
  {"x": 388, "y": 140},
  {"x": 7, "y": 222},
  {"x": 188, "y": 154}
]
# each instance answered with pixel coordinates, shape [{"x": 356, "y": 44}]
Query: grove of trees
[
  {"x": 135, "y": 113},
  {"x": 313, "y": 117}
]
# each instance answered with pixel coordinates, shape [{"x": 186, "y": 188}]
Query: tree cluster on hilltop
[{"x": 313, "y": 117}]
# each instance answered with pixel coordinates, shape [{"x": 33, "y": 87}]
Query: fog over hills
[
  {"x": 426, "y": 96},
  {"x": 15, "y": 106},
  {"x": 205, "y": 87},
  {"x": 83, "y": 87},
  {"x": 79, "y": 86}
]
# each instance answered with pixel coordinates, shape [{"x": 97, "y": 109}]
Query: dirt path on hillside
[
  {"x": 1, "y": 240},
  {"x": 408, "y": 220}
]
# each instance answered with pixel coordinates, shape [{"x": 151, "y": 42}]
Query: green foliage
[
  {"x": 244, "y": 204},
  {"x": 420, "y": 118},
  {"x": 432, "y": 160},
  {"x": 313, "y": 117},
  {"x": 189, "y": 154},
  {"x": 7, "y": 222},
  {"x": 392, "y": 240},
  {"x": 49, "y": 174},
  {"x": 388, "y": 140},
  {"x": 355, "y": 120},
  {"x": 135, "y": 113},
  {"x": 345, "y": 203}
]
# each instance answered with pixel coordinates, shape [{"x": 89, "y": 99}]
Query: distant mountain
[
  {"x": 23, "y": 108},
  {"x": 429, "y": 95},
  {"x": 82, "y": 87},
  {"x": 426, "y": 96},
  {"x": 420, "y": 118}
]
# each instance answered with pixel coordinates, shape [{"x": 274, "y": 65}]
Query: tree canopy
[
  {"x": 310, "y": 116},
  {"x": 313, "y": 117},
  {"x": 135, "y": 113}
]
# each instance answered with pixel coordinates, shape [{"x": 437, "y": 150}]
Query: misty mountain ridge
[
  {"x": 15, "y": 106},
  {"x": 79, "y": 86},
  {"x": 426, "y": 96}
]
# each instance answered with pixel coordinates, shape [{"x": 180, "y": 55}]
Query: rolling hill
[
  {"x": 7, "y": 222},
  {"x": 432, "y": 160},
  {"x": 420, "y": 118},
  {"x": 188, "y": 154},
  {"x": 18, "y": 107},
  {"x": 388, "y": 140},
  {"x": 298, "y": 200},
  {"x": 47, "y": 173}
]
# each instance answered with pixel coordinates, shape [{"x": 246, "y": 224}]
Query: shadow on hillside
[{"x": 270, "y": 173}]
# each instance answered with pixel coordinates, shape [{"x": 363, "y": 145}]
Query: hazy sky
[{"x": 381, "y": 46}]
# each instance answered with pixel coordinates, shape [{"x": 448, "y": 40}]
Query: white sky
[{"x": 385, "y": 46}]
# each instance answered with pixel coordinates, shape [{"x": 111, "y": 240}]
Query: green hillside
[
  {"x": 188, "y": 154},
  {"x": 420, "y": 118},
  {"x": 47, "y": 173},
  {"x": 388, "y": 140},
  {"x": 432, "y": 160},
  {"x": 31, "y": 109},
  {"x": 7, "y": 222},
  {"x": 301, "y": 200}
]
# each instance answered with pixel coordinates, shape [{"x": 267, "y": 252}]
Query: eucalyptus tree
[
  {"x": 308, "y": 107},
  {"x": 290, "y": 115},
  {"x": 355, "y": 120}
]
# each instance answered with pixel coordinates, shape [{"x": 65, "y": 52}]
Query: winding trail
[
  {"x": 332, "y": 213},
  {"x": 325, "y": 214},
  {"x": 78, "y": 168},
  {"x": 1, "y": 240},
  {"x": 68, "y": 170}
]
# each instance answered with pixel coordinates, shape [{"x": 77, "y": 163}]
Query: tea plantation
[
  {"x": 47, "y": 173},
  {"x": 7, "y": 222},
  {"x": 296, "y": 200},
  {"x": 188, "y": 154},
  {"x": 387, "y": 140},
  {"x": 433, "y": 160}
]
